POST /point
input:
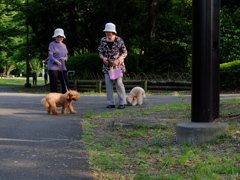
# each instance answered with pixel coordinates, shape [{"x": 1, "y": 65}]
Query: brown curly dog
[{"x": 52, "y": 100}]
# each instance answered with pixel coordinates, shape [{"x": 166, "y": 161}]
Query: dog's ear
[
  {"x": 68, "y": 95},
  {"x": 75, "y": 95},
  {"x": 129, "y": 99}
]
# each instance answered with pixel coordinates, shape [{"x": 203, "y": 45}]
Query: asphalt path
[{"x": 38, "y": 146}]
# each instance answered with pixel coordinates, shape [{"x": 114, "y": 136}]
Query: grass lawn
[
  {"x": 19, "y": 81},
  {"x": 41, "y": 88},
  {"x": 148, "y": 151}
]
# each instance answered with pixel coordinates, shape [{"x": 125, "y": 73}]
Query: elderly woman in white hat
[
  {"x": 112, "y": 51},
  {"x": 57, "y": 56}
]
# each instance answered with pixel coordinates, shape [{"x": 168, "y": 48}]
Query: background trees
[
  {"x": 157, "y": 30},
  {"x": 230, "y": 31},
  {"x": 12, "y": 36}
]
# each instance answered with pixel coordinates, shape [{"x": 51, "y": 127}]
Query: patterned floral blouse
[{"x": 118, "y": 49}]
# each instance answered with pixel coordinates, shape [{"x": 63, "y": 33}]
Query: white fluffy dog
[{"x": 136, "y": 96}]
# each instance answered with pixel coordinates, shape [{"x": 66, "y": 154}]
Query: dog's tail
[
  {"x": 144, "y": 95},
  {"x": 44, "y": 102}
]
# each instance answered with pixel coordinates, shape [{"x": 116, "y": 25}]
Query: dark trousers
[
  {"x": 54, "y": 76},
  {"x": 34, "y": 81}
]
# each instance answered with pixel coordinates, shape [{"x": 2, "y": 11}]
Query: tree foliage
[
  {"x": 11, "y": 39},
  {"x": 230, "y": 31},
  {"x": 160, "y": 30}
]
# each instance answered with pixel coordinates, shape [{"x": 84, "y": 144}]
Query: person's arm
[
  {"x": 123, "y": 54},
  {"x": 123, "y": 51},
  {"x": 65, "y": 58},
  {"x": 50, "y": 55},
  {"x": 104, "y": 59}
]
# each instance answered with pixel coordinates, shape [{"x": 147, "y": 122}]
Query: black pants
[
  {"x": 34, "y": 81},
  {"x": 54, "y": 76}
]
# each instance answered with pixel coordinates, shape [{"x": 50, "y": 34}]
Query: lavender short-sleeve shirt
[{"x": 55, "y": 52}]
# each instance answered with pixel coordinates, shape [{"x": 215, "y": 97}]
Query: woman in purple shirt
[{"x": 58, "y": 55}]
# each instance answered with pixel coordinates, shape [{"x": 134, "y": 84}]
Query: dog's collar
[
  {"x": 69, "y": 101},
  {"x": 134, "y": 97}
]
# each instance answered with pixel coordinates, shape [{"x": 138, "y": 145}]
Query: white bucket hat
[
  {"x": 110, "y": 27},
  {"x": 59, "y": 32}
]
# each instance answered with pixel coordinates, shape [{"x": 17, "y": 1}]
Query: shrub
[
  {"x": 163, "y": 56},
  {"x": 233, "y": 66},
  {"x": 134, "y": 63},
  {"x": 159, "y": 58},
  {"x": 85, "y": 64},
  {"x": 229, "y": 75}
]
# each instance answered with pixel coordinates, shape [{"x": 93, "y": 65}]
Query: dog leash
[
  {"x": 148, "y": 102},
  {"x": 63, "y": 77}
]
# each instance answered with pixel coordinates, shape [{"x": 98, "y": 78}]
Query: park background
[
  {"x": 158, "y": 37},
  {"x": 157, "y": 34}
]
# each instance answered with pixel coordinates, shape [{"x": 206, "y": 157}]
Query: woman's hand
[
  {"x": 58, "y": 62},
  {"x": 115, "y": 63},
  {"x": 105, "y": 61},
  {"x": 63, "y": 58}
]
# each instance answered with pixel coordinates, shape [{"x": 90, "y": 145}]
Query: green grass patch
[
  {"x": 19, "y": 81},
  {"x": 149, "y": 151}
]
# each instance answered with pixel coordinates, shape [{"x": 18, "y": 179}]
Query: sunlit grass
[
  {"x": 150, "y": 152},
  {"x": 19, "y": 81}
]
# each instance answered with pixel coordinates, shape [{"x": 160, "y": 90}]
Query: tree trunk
[
  {"x": 152, "y": 9},
  {"x": 72, "y": 24}
]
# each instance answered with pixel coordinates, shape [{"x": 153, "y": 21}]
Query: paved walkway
[{"x": 37, "y": 146}]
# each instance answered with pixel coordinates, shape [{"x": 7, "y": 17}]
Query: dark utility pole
[
  {"x": 28, "y": 85},
  {"x": 206, "y": 58}
]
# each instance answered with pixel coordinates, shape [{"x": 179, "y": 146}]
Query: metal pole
[
  {"x": 43, "y": 70},
  {"x": 27, "y": 85},
  {"x": 216, "y": 57},
  {"x": 205, "y": 63}
]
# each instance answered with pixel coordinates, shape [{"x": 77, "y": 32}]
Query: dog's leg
[
  {"x": 53, "y": 107},
  {"x": 134, "y": 102},
  {"x": 46, "y": 105},
  {"x": 64, "y": 109},
  {"x": 71, "y": 109},
  {"x": 139, "y": 100},
  {"x": 54, "y": 110},
  {"x": 49, "y": 110}
]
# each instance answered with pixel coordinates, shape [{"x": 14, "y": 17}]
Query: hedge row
[
  {"x": 233, "y": 66},
  {"x": 85, "y": 64}
]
